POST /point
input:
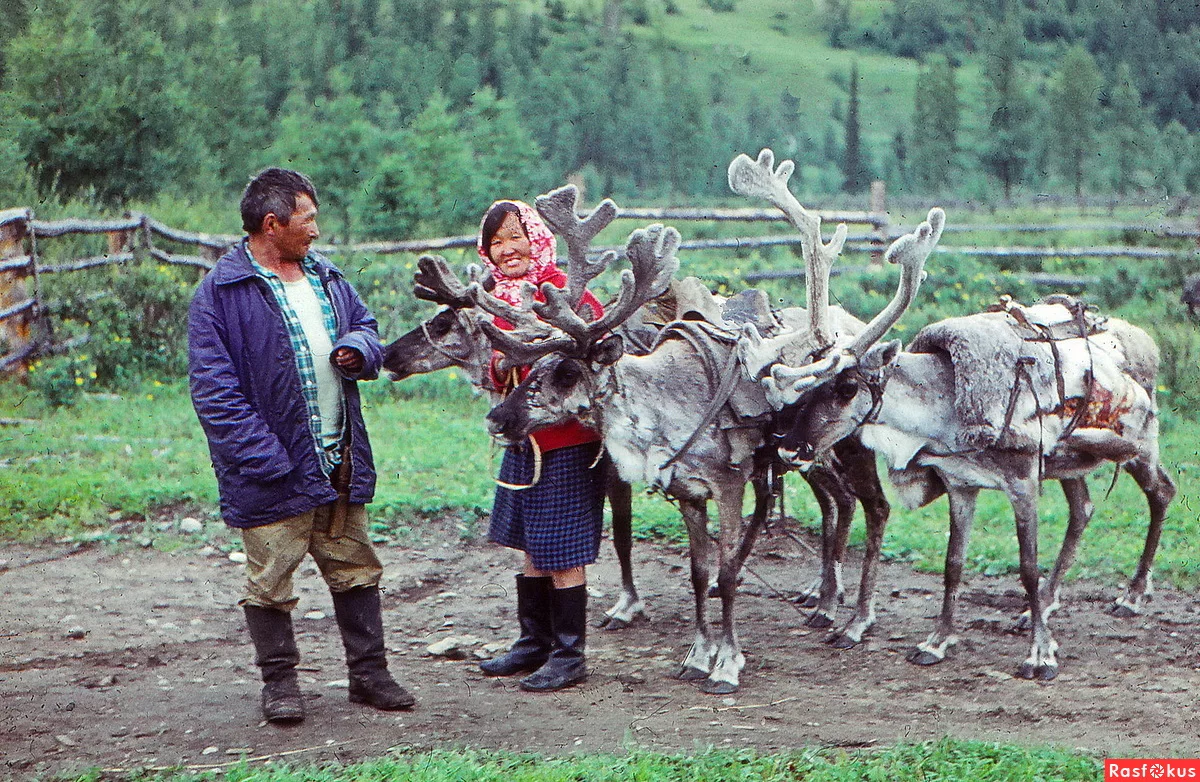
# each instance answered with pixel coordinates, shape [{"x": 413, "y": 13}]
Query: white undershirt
[{"x": 303, "y": 299}]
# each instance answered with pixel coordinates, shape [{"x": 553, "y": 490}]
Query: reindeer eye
[
  {"x": 566, "y": 374},
  {"x": 439, "y": 326},
  {"x": 847, "y": 390}
]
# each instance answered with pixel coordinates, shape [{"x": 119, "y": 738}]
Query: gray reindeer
[{"x": 1000, "y": 400}]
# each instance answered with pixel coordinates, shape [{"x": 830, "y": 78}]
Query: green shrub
[
  {"x": 129, "y": 322},
  {"x": 61, "y": 380}
]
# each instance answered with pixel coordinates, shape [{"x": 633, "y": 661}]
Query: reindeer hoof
[
  {"x": 841, "y": 641},
  {"x": 810, "y": 600},
  {"x": 689, "y": 674},
  {"x": 819, "y": 621},
  {"x": 923, "y": 657},
  {"x": 1122, "y": 610},
  {"x": 618, "y": 623},
  {"x": 1042, "y": 673},
  {"x": 718, "y": 688}
]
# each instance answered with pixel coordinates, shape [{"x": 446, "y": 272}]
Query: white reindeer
[{"x": 946, "y": 423}]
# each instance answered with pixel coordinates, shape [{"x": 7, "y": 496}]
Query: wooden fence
[{"x": 23, "y": 326}]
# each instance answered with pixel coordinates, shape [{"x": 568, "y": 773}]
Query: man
[{"x": 277, "y": 339}]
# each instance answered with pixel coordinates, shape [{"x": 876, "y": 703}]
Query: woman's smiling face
[{"x": 510, "y": 249}]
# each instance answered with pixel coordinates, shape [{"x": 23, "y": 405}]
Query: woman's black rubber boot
[
  {"x": 566, "y": 665},
  {"x": 276, "y": 655},
  {"x": 532, "y": 649}
]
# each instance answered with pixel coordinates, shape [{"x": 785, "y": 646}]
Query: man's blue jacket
[{"x": 246, "y": 391}]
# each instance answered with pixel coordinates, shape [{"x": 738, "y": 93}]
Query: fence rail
[{"x": 132, "y": 239}]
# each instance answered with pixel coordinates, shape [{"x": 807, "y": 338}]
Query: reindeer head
[
  {"x": 786, "y": 384},
  {"x": 558, "y": 387},
  {"x": 451, "y": 338},
  {"x": 835, "y": 409}
]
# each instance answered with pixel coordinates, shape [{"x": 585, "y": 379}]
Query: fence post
[
  {"x": 118, "y": 241},
  {"x": 16, "y": 329}
]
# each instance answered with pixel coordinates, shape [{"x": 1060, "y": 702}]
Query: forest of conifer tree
[{"x": 414, "y": 114}]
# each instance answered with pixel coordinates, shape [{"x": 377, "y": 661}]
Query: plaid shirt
[{"x": 327, "y": 443}]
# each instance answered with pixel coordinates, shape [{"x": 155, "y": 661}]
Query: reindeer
[
  {"x": 681, "y": 418},
  {"x": 944, "y": 425},
  {"x": 852, "y": 475}
]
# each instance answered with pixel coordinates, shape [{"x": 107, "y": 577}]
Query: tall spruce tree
[
  {"x": 1007, "y": 106},
  {"x": 856, "y": 173},
  {"x": 1074, "y": 92},
  {"x": 1129, "y": 133},
  {"x": 935, "y": 124}
]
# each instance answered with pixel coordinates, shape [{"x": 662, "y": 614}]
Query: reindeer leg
[
  {"x": 1041, "y": 662},
  {"x": 829, "y": 589},
  {"x": 845, "y": 502},
  {"x": 1159, "y": 490},
  {"x": 863, "y": 475},
  {"x": 962, "y": 515},
  {"x": 699, "y": 660},
  {"x": 734, "y": 548},
  {"x": 1080, "y": 508},
  {"x": 629, "y": 605}
]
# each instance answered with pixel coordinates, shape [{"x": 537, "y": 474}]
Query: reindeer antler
[
  {"x": 521, "y": 346},
  {"x": 559, "y": 209},
  {"x": 434, "y": 281},
  {"x": 653, "y": 262},
  {"x": 760, "y": 179},
  {"x": 910, "y": 251}
]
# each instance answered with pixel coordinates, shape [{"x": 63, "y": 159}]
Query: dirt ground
[{"x": 128, "y": 657}]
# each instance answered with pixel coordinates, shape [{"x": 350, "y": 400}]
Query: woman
[{"x": 555, "y": 517}]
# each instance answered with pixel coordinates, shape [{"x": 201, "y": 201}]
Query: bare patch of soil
[{"x": 132, "y": 658}]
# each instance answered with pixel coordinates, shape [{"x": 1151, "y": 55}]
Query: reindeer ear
[
  {"x": 608, "y": 351},
  {"x": 879, "y": 356}
]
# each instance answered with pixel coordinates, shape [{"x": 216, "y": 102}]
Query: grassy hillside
[{"x": 780, "y": 44}]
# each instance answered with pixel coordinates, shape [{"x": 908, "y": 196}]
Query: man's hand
[{"x": 348, "y": 360}]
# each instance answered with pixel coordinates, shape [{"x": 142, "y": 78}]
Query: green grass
[{"x": 933, "y": 761}]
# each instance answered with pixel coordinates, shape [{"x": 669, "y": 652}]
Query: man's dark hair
[
  {"x": 492, "y": 220},
  {"x": 274, "y": 191}
]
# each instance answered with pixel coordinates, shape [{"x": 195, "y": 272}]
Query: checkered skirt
[{"x": 558, "y": 520}]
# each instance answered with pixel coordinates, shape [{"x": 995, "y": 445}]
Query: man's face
[{"x": 294, "y": 239}]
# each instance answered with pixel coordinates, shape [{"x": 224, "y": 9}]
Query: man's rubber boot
[
  {"x": 277, "y": 657},
  {"x": 360, "y": 618},
  {"x": 532, "y": 649},
  {"x": 566, "y": 665}
]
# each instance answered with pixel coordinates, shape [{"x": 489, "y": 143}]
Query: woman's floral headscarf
[{"x": 542, "y": 249}]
